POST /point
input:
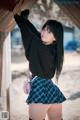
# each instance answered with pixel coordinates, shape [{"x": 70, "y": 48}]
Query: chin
[{"x": 43, "y": 40}]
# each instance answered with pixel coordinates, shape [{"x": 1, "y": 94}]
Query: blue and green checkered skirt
[{"x": 44, "y": 91}]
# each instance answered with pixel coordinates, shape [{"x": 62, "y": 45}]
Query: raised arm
[
  {"x": 24, "y": 15},
  {"x": 25, "y": 32},
  {"x": 32, "y": 28},
  {"x": 18, "y": 20},
  {"x": 27, "y": 35}
]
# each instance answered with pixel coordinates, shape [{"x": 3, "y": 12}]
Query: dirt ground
[{"x": 69, "y": 83}]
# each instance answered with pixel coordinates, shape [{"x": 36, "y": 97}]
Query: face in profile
[{"x": 47, "y": 36}]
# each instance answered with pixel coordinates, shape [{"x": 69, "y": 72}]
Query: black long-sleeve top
[{"x": 41, "y": 57}]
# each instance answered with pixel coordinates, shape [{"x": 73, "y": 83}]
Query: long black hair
[{"x": 57, "y": 29}]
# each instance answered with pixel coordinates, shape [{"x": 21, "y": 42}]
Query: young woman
[{"x": 45, "y": 54}]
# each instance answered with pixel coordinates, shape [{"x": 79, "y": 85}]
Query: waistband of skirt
[{"x": 33, "y": 77}]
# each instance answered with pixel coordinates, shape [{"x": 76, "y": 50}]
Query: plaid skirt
[{"x": 44, "y": 91}]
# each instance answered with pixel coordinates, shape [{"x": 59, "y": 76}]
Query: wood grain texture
[
  {"x": 8, "y": 4},
  {"x": 72, "y": 11},
  {"x": 7, "y": 22}
]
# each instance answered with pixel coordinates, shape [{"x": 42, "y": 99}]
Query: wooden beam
[
  {"x": 72, "y": 11},
  {"x": 67, "y": 2},
  {"x": 7, "y": 22}
]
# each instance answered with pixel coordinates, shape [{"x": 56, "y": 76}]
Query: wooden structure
[
  {"x": 71, "y": 8},
  {"x": 6, "y": 25}
]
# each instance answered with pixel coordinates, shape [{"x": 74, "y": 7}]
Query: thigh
[
  {"x": 37, "y": 111},
  {"x": 55, "y": 112}
]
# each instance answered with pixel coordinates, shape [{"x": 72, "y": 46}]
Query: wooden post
[
  {"x": 2, "y": 37},
  {"x": 1, "y": 54},
  {"x": 5, "y": 72}
]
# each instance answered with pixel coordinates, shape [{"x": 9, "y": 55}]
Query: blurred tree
[
  {"x": 50, "y": 10},
  {"x": 45, "y": 7}
]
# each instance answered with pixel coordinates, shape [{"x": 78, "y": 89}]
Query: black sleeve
[
  {"x": 32, "y": 28},
  {"x": 18, "y": 20},
  {"x": 26, "y": 33}
]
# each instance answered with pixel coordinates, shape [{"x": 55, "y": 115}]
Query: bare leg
[
  {"x": 55, "y": 112},
  {"x": 38, "y": 111}
]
